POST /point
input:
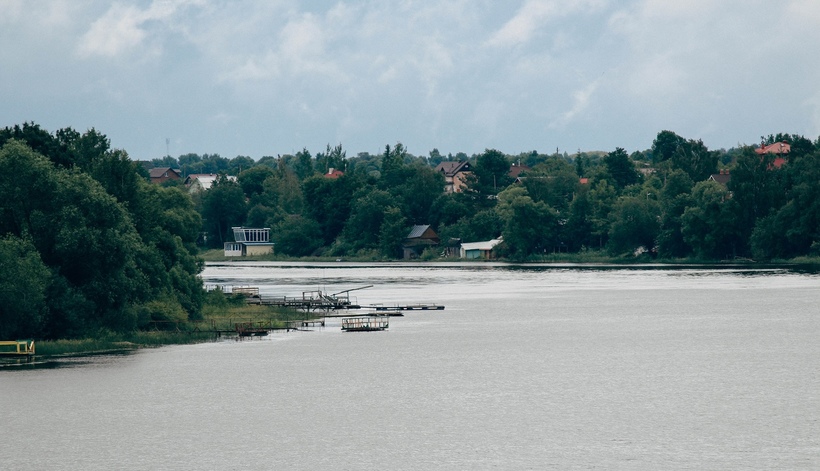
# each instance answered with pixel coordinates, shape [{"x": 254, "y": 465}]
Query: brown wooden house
[{"x": 419, "y": 238}]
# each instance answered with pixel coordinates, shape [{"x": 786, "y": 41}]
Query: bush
[{"x": 163, "y": 314}]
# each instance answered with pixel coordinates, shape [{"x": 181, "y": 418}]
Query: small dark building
[{"x": 419, "y": 238}]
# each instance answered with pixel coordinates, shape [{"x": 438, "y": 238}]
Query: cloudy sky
[{"x": 270, "y": 77}]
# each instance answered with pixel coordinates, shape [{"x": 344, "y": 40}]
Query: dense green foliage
[
  {"x": 86, "y": 243},
  {"x": 657, "y": 202}
]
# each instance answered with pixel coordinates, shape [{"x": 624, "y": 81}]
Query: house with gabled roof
[
  {"x": 516, "y": 169},
  {"x": 197, "y": 182},
  {"x": 722, "y": 177},
  {"x": 455, "y": 175},
  {"x": 163, "y": 174},
  {"x": 781, "y": 151},
  {"x": 419, "y": 238}
]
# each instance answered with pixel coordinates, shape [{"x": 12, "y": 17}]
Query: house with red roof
[
  {"x": 779, "y": 149},
  {"x": 333, "y": 173}
]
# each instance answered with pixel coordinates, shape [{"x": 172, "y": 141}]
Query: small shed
[
  {"x": 484, "y": 250},
  {"x": 249, "y": 241},
  {"x": 419, "y": 238}
]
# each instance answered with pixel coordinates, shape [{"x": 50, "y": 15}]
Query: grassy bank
[
  {"x": 118, "y": 342},
  {"x": 221, "y": 312}
]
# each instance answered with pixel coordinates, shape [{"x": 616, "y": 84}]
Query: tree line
[
  {"x": 659, "y": 202},
  {"x": 87, "y": 243}
]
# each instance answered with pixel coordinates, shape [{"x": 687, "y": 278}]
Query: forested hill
[{"x": 88, "y": 243}]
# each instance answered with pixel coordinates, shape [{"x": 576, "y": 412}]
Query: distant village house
[
  {"x": 334, "y": 173},
  {"x": 419, "y": 238},
  {"x": 483, "y": 250},
  {"x": 197, "y": 182},
  {"x": 163, "y": 174},
  {"x": 723, "y": 177},
  {"x": 455, "y": 175},
  {"x": 249, "y": 241},
  {"x": 781, "y": 151}
]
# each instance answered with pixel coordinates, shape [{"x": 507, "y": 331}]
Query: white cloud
[
  {"x": 123, "y": 27},
  {"x": 523, "y": 25},
  {"x": 118, "y": 30},
  {"x": 580, "y": 102},
  {"x": 534, "y": 15}
]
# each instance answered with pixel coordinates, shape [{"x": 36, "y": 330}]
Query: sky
[{"x": 262, "y": 78}]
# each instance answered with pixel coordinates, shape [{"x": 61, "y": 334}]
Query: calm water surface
[{"x": 536, "y": 367}]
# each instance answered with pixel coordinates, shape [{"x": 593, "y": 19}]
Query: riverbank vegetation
[
  {"x": 221, "y": 312},
  {"x": 90, "y": 246},
  {"x": 676, "y": 200}
]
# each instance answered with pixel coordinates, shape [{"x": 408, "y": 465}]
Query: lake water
[{"x": 528, "y": 367}]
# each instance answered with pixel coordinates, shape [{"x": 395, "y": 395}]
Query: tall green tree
[
  {"x": 297, "y": 236},
  {"x": 634, "y": 224},
  {"x": 392, "y": 232},
  {"x": 328, "y": 201},
  {"x": 223, "y": 207},
  {"x": 417, "y": 191},
  {"x": 303, "y": 166},
  {"x": 554, "y": 186},
  {"x": 709, "y": 225},
  {"x": 252, "y": 180},
  {"x": 757, "y": 189},
  {"x": 579, "y": 228},
  {"x": 170, "y": 227},
  {"x": 529, "y": 227},
  {"x": 24, "y": 282},
  {"x": 674, "y": 199},
  {"x": 333, "y": 158},
  {"x": 491, "y": 171},
  {"x": 690, "y": 155},
  {"x": 363, "y": 228},
  {"x": 393, "y": 170},
  {"x": 602, "y": 197},
  {"x": 620, "y": 170}
]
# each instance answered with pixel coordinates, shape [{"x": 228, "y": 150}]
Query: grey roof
[
  {"x": 451, "y": 168},
  {"x": 722, "y": 178},
  {"x": 417, "y": 231},
  {"x": 159, "y": 172},
  {"x": 483, "y": 245}
]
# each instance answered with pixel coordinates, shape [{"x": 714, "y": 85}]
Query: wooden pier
[
  {"x": 17, "y": 348},
  {"x": 365, "y": 324},
  {"x": 408, "y": 307},
  {"x": 251, "y": 329}
]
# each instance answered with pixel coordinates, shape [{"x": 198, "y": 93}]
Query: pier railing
[{"x": 17, "y": 348}]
